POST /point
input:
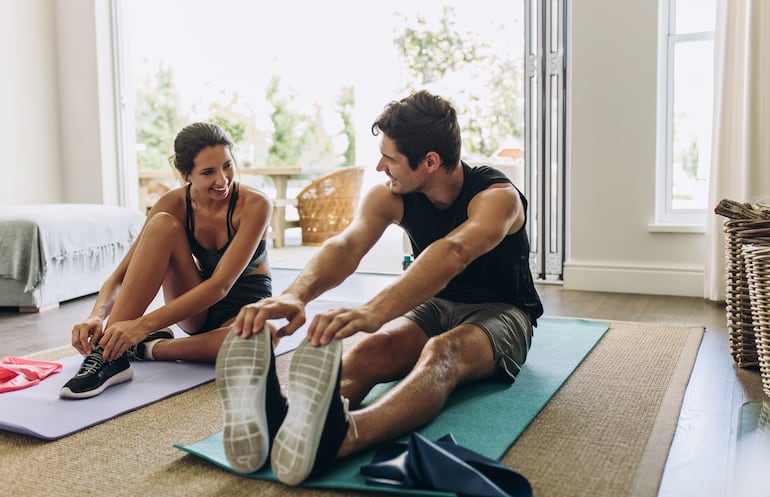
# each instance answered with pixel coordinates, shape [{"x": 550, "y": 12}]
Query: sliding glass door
[
  {"x": 298, "y": 83},
  {"x": 545, "y": 134}
]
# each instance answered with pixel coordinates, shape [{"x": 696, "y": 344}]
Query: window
[
  {"x": 685, "y": 110},
  {"x": 287, "y": 102}
]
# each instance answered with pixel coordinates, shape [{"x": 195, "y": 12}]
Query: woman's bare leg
[
  {"x": 202, "y": 347},
  {"x": 162, "y": 258}
]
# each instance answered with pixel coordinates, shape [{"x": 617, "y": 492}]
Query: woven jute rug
[{"x": 606, "y": 433}]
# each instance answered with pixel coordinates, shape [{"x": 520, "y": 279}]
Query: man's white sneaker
[
  {"x": 252, "y": 402},
  {"x": 316, "y": 422}
]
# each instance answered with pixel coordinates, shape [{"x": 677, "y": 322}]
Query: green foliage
[
  {"x": 430, "y": 54},
  {"x": 688, "y": 158},
  {"x": 285, "y": 147},
  {"x": 235, "y": 130},
  {"x": 345, "y": 104},
  {"x": 299, "y": 138},
  {"x": 158, "y": 119},
  {"x": 685, "y": 155},
  {"x": 434, "y": 55}
]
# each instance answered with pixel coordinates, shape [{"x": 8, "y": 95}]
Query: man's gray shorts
[{"x": 509, "y": 328}]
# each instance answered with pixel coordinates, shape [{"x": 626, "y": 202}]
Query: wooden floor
[{"x": 701, "y": 458}]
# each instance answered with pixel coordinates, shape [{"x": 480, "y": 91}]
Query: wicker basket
[
  {"x": 757, "y": 260},
  {"x": 738, "y": 233},
  {"x": 327, "y": 205}
]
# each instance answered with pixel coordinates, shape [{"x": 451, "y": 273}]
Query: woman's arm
[{"x": 88, "y": 332}]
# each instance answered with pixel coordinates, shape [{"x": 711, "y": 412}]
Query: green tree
[
  {"x": 431, "y": 54},
  {"x": 300, "y": 139},
  {"x": 285, "y": 148},
  {"x": 490, "y": 110},
  {"x": 158, "y": 119},
  {"x": 345, "y": 104},
  {"x": 688, "y": 158},
  {"x": 239, "y": 121},
  {"x": 315, "y": 142}
]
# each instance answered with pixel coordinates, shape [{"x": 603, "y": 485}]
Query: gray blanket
[{"x": 33, "y": 235}]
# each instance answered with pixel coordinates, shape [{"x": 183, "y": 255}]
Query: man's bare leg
[
  {"x": 387, "y": 355},
  {"x": 458, "y": 356}
]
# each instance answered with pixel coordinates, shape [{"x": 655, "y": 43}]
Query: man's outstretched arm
[
  {"x": 492, "y": 214},
  {"x": 337, "y": 259}
]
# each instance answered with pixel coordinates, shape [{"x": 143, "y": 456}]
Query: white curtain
[{"x": 740, "y": 168}]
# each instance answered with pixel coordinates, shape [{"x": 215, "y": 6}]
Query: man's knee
[
  {"x": 383, "y": 356},
  {"x": 459, "y": 357},
  {"x": 442, "y": 356}
]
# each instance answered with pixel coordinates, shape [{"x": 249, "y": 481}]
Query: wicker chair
[{"x": 327, "y": 205}]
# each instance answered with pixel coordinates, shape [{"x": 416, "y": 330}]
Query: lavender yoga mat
[{"x": 38, "y": 410}]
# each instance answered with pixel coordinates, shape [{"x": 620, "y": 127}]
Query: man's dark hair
[{"x": 422, "y": 123}]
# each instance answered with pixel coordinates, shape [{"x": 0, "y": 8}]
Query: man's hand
[
  {"x": 342, "y": 323},
  {"x": 86, "y": 334},
  {"x": 253, "y": 317}
]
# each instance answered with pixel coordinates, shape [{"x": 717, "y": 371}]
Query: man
[{"x": 463, "y": 311}]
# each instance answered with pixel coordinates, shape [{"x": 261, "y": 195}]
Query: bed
[{"x": 50, "y": 253}]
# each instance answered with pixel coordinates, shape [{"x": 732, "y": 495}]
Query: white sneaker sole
[
  {"x": 123, "y": 376},
  {"x": 312, "y": 379},
  {"x": 241, "y": 372}
]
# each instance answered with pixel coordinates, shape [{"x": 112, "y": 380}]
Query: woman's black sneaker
[
  {"x": 95, "y": 375},
  {"x": 137, "y": 352}
]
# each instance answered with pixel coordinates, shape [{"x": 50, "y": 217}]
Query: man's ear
[{"x": 432, "y": 161}]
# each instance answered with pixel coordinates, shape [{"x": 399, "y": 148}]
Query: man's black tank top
[{"x": 502, "y": 274}]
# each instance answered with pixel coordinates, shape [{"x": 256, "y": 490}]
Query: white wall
[
  {"x": 58, "y": 134},
  {"x": 89, "y": 151},
  {"x": 29, "y": 99},
  {"x": 611, "y": 158}
]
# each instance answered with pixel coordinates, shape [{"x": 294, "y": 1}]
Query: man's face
[{"x": 396, "y": 166}]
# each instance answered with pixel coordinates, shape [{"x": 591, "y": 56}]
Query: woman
[{"x": 204, "y": 245}]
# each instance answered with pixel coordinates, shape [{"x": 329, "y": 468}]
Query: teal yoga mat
[{"x": 486, "y": 417}]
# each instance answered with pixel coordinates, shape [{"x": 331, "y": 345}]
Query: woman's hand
[
  {"x": 86, "y": 334},
  {"x": 118, "y": 337}
]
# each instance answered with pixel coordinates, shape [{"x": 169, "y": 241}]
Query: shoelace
[
  {"x": 133, "y": 353},
  {"x": 93, "y": 362},
  {"x": 348, "y": 417}
]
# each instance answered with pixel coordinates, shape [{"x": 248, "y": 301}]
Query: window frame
[{"x": 666, "y": 217}]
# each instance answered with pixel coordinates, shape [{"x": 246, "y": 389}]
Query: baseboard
[
  {"x": 682, "y": 280},
  {"x": 42, "y": 308}
]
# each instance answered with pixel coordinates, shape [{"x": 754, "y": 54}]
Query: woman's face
[{"x": 213, "y": 172}]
